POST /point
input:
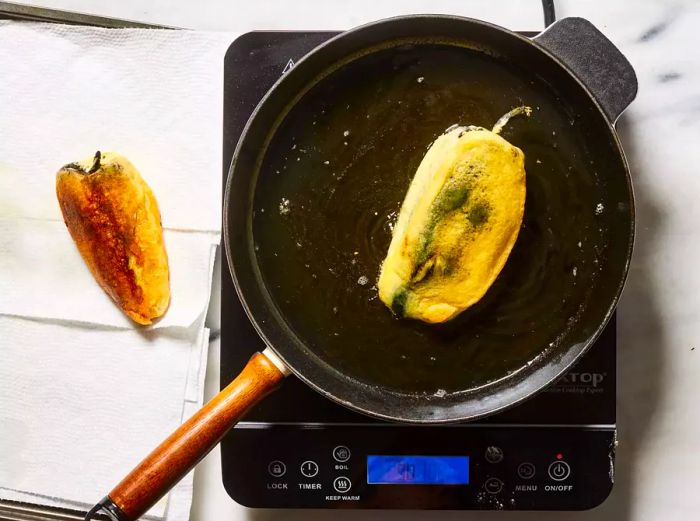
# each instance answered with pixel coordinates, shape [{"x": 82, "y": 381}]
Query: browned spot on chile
[{"x": 109, "y": 244}]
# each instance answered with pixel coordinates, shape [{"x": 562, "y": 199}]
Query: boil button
[
  {"x": 559, "y": 470},
  {"x": 341, "y": 454}
]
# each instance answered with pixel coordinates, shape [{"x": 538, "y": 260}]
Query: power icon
[{"x": 559, "y": 470}]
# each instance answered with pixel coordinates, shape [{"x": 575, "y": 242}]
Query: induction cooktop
[{"x": 555, "y": 451}]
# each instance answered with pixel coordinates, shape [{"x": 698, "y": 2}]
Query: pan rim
[{"x": 577, "y": 350}]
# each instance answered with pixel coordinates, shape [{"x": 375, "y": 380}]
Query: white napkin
[
  {"x": 43, "y": 276},
  {"x": 69, "y": 435},
  {"x": 153, "y": 95},
  {"x": 84, "y": 394}
]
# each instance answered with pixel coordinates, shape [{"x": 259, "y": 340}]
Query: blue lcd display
[{"x": 418, "y": 470}]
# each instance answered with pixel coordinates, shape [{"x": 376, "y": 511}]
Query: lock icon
[{"x": 276, "y": 469}]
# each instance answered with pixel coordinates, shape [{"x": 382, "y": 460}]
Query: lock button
[{"x": 276, "y": 469}]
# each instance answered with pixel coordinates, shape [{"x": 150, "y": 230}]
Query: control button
[
  {"x": 309, "y": 469},
  {"x": 341, "y": 454},
  {"x": 559, "y": 470},
  {"x": 494, "y": 454},
  {"x": 277, "y": 469},
  {"x": 341, "y": 484},
  {"x": 493, "y": 485},
  {"x": 526, "y": 470}
]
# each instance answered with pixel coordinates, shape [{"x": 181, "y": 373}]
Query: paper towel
[
  {"x": 42, "y": 275},
  {"x": 87, "y": 405},
  {"x": 154, "y": 96},
  {"x": 84, "y": 394}
]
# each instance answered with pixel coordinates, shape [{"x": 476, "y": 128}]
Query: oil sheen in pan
[{"x": 330, "y": 188}]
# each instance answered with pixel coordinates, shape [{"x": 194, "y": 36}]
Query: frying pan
[{"x": 314, "y": 186}]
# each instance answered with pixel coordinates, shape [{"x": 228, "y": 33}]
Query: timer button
[
  {"x": 341, "y": 454},
  {"x": 341, "y": 484},
  {"x": 494, "y": 454},
  {"x": 309, "y": 469},
  {"x": 493, "y": 485},
  {"x": 276, "y": 469},
  {"x": 559, "y": 470}
]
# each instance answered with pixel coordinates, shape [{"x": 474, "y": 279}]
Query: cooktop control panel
[{"x": 462, "y": 467}]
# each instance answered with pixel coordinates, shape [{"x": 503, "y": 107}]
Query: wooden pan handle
[{"x": 182, "y": 450}]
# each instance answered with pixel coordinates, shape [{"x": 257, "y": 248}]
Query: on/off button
[{"x": 559, "y": 470}]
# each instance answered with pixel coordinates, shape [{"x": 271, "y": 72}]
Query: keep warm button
[
  {"x": 342, "y": 484},
  {"x": 559, "y": 470}
]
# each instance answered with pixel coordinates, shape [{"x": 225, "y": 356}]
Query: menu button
[{"x": 526, "y": 470}]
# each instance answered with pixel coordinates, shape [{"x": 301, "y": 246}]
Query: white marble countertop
[{"x": 658, "y": 459}]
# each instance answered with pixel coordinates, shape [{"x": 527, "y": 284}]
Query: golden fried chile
[
  {"x": 457, "y": 225},
  {"x": 114, "y": 219}
]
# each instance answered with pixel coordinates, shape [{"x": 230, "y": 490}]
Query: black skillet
[{"x": 314, "y": 186}]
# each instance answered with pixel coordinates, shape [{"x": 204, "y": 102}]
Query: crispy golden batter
[
  {"x": 457, "y": 225},
  {"x": 114, "y": 220}
]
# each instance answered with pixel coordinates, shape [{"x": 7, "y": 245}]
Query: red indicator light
[{"x": 560, "y": 456}]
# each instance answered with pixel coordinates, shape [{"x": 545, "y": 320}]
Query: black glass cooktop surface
[{"x": 585, "y": 396}]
